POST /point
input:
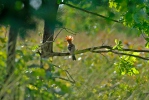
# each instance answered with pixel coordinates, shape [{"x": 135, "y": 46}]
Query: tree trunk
[
  {"x": 49, "y": 26},
  {"x": 11, "y": 51}
]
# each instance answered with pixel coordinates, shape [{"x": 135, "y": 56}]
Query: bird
[{"x": 71, "y": 46}]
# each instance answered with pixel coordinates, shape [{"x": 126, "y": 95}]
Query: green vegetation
[{"x": 111, "y": 38}]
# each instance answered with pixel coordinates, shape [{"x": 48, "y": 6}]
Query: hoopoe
[{"x": 70, "y": 46}]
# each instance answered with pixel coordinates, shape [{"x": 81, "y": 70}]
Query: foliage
[
  {"x": 126, "y": 65},
  {"x": 96, "y": 78},
  {"x": 2, "y": 55},
  {"x": 118, "y": 45},
  {"x": 33, "y": 81},
  {"x": 134, "y": 13}
]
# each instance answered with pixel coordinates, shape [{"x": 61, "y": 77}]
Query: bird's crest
[{"x": 69, "y": 38}]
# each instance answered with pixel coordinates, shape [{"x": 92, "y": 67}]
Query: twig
[
  {"x": 53, "y": 39},
  {"x": 68, "y": 30},
  {"x": 90, "y": 12},
  {"x": 57, "y": 35},
  {"x": 70, "y": 75},
  {"x": 145, "y": 37},
  {"x": 133, "y": 50},
  {"x": 67, "y": 73},
  {"x": 105, "y": 57},
  {"x": 70, "y": 78},
  {"x": 72, "y": 32},
  {"x": 63, "y": 79}
]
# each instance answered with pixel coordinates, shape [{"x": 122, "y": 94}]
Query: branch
[
  {"x": 121, "y": 53},
  {"x": 133, "y": 50},
  {"x": 67, "y": 73},
  {"x": 101, "y": 49},
  {"x": 49, "y": 54},
  {"x": 50, "y": 37},
  {"x": 68, "y": 30},
  {"x": 96, "y": 14},
  {"x": 63, "y": 79},
  {"x": 69, "y": 77},
  {"x": 130, "y": 55}
]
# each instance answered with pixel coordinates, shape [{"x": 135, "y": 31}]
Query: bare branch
[
  {"x": 68, "y": 30},
  {"x": 105, "y": 57},
  {"x": 70, "y": 78},
  {"x": 53, "y": 39},
  {"x": 133, "y": 50},
  {"x": 121, "y": 53},
  {"x": 144, "y": 58},
  {"x": 102, "y": 49},
  {"x": 57, "y": 34},
  {"x": 90, "y": 12},
  {"x": 67, "y": 73}
]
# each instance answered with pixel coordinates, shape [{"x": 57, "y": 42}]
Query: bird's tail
[{"x": 73, "y": 57}]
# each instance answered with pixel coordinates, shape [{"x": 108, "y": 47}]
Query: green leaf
[
  {"x": 18, "y": 5},
  {"x": 3, "y": 40},
  {"x": 39, "y": 72},
  {"x": 147, "y": 39},
  {"x": 126, "y": 64},
  {"x": 112, "y": 4},
  {"x": 59, "y": 1},
  {"x": 118, "y": 45},
  {"x": 147, "y": 44},
  {"x": 135, "y": 71},
  {"x": 35, "y": 47}
]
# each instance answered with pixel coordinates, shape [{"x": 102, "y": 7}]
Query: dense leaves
[
  {"x": 134, "y": 13},
  {"x": 32, "y": 81},
  {"x": 16, "y": 13}
]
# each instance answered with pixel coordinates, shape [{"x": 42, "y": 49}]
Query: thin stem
[{"x": 96, "y": 14}]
